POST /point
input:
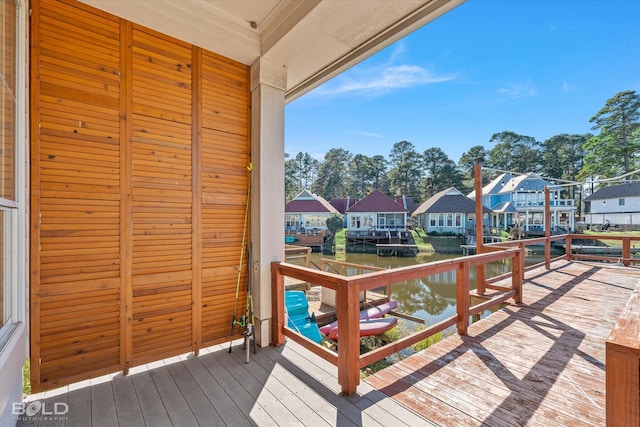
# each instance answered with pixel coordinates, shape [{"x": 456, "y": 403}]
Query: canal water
[{"x": 432, "y": 298}]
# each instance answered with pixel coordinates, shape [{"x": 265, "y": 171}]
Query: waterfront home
[
  {"x": 448, "y": 211},
  {"x": 614, "y": 204},
  {"x": 307, "y": 212},
  {"x": 142, "y": 149},
  {"x": 519, "y": 200},
  {"x": 377, "y": 212}
]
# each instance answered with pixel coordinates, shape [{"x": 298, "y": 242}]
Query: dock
[{"x": 396, "y": 249}]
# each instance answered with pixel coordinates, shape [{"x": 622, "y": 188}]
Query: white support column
[{"x": 268, "y": 83}]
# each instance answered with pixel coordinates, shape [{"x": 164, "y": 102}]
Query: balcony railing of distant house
[{"x": 540, "y": 203}]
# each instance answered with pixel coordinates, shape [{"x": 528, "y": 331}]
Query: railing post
[
  {"x": 348, "y": 312},
  {"x": 462, "y": 297},
  {"x": 480, "y": 269},
  {"x": 547, "y": 229},
  {"x": 623, "y": 367},
  {"x": 277, "y": 305},
  {"x": 517, "y": 275},
  {"x": 567, "y": 245},
  {"x": 626, "y": 250},
  {"x": 522, "y": 260}
]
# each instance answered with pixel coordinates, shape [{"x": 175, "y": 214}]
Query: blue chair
[{"x": 297, "y": 310}]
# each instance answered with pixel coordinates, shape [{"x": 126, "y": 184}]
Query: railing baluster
[{"x": 462, "y": 296}]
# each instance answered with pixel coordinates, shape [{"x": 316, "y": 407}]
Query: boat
[
  {"x": 371, "y": 322},
  {"x": 289, "y": 239},
  {"x": 368, "y": 327},
  {"x": 299, "y": 319}
]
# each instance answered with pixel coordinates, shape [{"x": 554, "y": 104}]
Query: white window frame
[{"x": 15, "y": 213}]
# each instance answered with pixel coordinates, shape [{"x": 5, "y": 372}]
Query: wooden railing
[
  {"x": 602, "y": 253},
  {"x": 351, "y": 269},
  {"x": 348, "y": 358},
  {"x": 302, "y": 253},
  {"x": 623, "y": 367}
]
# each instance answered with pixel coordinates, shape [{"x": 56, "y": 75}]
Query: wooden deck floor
[{"x": 540, "y": 363}]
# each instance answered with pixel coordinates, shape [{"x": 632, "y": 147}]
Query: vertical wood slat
[
  {"x": 126, "y": 227},
  {"x": 162, "y": 188},
  {"x": 34, "y": 252},
  {"x": 74, "y": 227},
  {"x": 196, "y": 243}
]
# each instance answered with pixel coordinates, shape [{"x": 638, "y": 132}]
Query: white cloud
[
  {"x": 363, "y": 133},
  {"x": 518, "y": 90},
  {"x": 383, "y": 77}
]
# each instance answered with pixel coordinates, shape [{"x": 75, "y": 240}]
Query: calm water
[{"x": 432, "y": 298}]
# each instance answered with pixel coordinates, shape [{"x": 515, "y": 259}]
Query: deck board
[{"x": 540, "y": 363}]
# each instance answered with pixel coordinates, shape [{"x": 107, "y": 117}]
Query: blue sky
[{"x": 535, "y": 67}]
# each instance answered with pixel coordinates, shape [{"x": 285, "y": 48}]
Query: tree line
[{"x": 612, "y": 151}]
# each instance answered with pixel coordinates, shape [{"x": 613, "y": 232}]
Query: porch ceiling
[{"x": 314, "y": 39}]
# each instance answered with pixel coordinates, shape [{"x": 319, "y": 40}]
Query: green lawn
[
  {"x": 602, "y": 237},
  {"x": 419, "y": 241}
]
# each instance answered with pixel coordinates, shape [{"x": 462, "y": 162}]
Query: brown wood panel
[
  {"x": 161, "y": 167},
  {"x": 73, "y": 86},
  {"x": 139, "y": 180}
]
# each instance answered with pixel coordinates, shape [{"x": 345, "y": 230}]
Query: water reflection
[{"x": 432, "y": 298}]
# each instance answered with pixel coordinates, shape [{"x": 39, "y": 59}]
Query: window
[
  {"x": 9, "y": 212},
  {"x": 316, "y": 221},
  {"x": 355, "y": 221},
  {"x": 458, "y": 220},
  {"x": 449, "y": 220},
  {"x": 433, "y": 220},
  {"x": 292, "y": 220},
  {"x": 620, "y": 202}
]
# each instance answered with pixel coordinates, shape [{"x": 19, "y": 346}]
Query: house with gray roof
[
  {"x": 448, "y": 211},
  {"x": 615, "y": 204},
  {"x": 519, "y": 199}
]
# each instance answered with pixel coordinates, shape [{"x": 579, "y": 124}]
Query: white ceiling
[{"x": 314, "y": 39}]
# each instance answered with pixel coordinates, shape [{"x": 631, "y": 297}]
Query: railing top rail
[
  {"x": 350, "y": 264},
  {"x": 311, "y": 275},
  {"x": 386, "y": 277},
  {"x": 603, "y": 237}
]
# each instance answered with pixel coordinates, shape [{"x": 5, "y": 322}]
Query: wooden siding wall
[{"x": 140, "y": 144}]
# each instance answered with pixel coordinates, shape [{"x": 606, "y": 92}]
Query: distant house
[
  {"x": 615, "y": 204},
  {"x": 308, "y": 211},
  {"x": 377, "y": 212},
  {"x": 520, "y": 199},
  {"x": 343, "y": 204},
  {"x": 407, "y": 202},
  {"x": 448, "y": 211}
]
